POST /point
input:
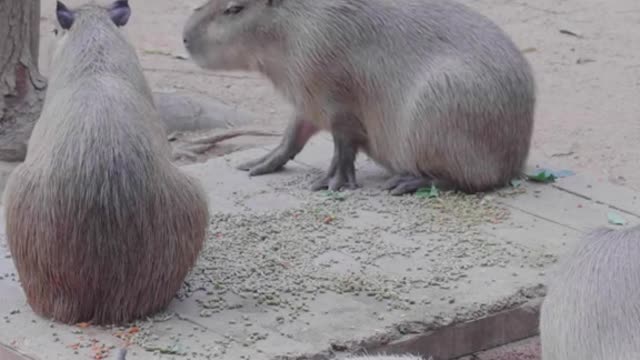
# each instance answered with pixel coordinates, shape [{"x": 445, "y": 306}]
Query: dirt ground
[{"x": 585, "y": 53}]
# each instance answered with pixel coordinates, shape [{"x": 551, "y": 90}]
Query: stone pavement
[{"x": 291, "y": 274}]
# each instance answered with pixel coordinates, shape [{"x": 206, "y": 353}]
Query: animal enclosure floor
[
  {"x": 528, "y": 349},
  {"x": 291, "y": 274}
]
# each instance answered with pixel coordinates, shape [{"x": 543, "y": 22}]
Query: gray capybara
[
  {"x": 102, "y": 227},
  {"x": 591, "y": 310},
  {"x": 430, "y": 89}
]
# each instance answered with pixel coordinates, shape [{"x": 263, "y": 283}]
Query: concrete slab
[{"x": 291, "y": 274}]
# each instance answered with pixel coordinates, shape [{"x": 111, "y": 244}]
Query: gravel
[{"x": 342, "y": 243}]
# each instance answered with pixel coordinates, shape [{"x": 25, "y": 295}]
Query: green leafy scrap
[
  {"x": 429, "y": 193},
  {"x": 546, "y": 176},
  {"x": 616, "y": 219},
  {"x": 542, "y": 176}
]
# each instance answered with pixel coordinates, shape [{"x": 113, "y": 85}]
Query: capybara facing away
[
  {"x": 102, "y": 227},
  {"x": 592, "y": 310},
  {"x": 430, "y": 89}
]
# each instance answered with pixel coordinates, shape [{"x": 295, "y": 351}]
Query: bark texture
[{"x": 22, "y": 88}]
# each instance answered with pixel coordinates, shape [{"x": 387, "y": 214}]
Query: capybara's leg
[
  {"x": 298, "y": 132},
  {"x": 346, "y": 141}
]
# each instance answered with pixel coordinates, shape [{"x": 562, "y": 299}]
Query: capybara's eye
[
  {"x": 233, "y": 10},
  {"x": 55, "y": 31}
]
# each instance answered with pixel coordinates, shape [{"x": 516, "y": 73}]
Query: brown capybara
[
  {"x": 430, "y": 89},
  {"x": 102, "y": 227},
  {"x": 591, "y": 310}
]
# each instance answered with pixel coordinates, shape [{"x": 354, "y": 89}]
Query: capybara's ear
[
  {"x": 65, "y": 16},
  {"x": 120, "y": 12}
]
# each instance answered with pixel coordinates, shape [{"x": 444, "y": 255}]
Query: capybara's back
[
  {"x": 101, "y": 226},
  {"x": 591, "y": 310}
]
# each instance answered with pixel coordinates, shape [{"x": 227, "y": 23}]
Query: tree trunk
[{"x": 22, "y": 88}]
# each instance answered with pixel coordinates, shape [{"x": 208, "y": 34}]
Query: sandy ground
[{"x": 587, "y": 117}]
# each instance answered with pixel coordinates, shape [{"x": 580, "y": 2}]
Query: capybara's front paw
[{"x": 270, "y": 163}]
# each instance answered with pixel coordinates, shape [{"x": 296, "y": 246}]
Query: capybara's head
[
  {"x": 86, "y": 23},
  {"x": 229, "y": 34}
]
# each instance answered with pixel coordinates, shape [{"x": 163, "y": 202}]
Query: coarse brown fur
[
  {"x": 102, "y": 227},
  {"x": 430, "y": 89},
  {"x": 591, "y": 310}
]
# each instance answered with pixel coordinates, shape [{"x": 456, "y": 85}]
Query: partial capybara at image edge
[
  {"x": 591, "y": 310},
  {"x": 102, "y": 227},
  {"x": 430, "y": 89}
]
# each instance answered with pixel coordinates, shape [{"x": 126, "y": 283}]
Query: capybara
[
  {"x": 102, "y": 227},
  {"x": 591, "y": 310},
  {"x": 433, "y": 91}
]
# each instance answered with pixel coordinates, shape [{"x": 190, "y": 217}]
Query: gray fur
[
  {"x": 428, "y": 88},
  {"x": 122, "y": 354},
  {"x": 591, "y": 310},
  {"x": 102, "y": 227}
]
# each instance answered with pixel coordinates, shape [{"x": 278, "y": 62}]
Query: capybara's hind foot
[
  {"x": 406, "y": 184},
  {"x": 341, "y": 175},
  {"x": 342, "y": 171},
  {"x": 337, "y": 181}
]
